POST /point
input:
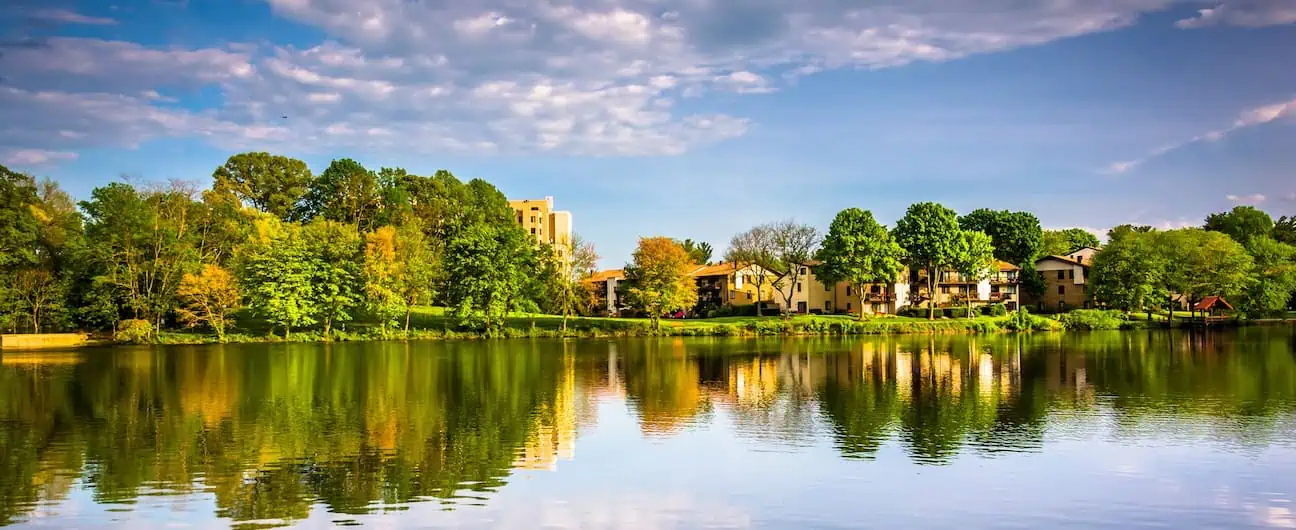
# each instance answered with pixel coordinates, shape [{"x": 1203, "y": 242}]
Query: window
[
  {"x": 1061, "y": 275},
  {"x": 533, "y": 231},
  {"x": 827, "y": 306},
  {"x": 847, "y": 290},
  {"x": 749, "y": 296},
  {"x": 1061, "y": 290},
  {"x": 876, "y": 289},
  {"x": 798, "y": 287},
  {"x": 848, "y": 307},
  {"x": 1071, "y": 274},
  {"x": 944, "y": 289},
  {"x": 803, "y": 270}
]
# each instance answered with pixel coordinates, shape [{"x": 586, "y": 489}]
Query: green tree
[
  {"x": 489, "y": 260},
  {"x": 1063, "y": 242},
  {"x": 1284, "y": 230},
  {"x": 700, "y": 251},
  {"x": 566, "y": 272},
  {"x": 209, "y": 297},
  {"x": 1129, "y": 272},
  {"x": 1241, "y": 223},
  {"x": 755, "y": 249},
  {"x": 794, "y": 245},
  {"x": 858, "y": 250},
  {"x": 930, "y": 236},
  {"x": 277, "y": 274},
  {"x": 1274, "y": 278},
  {"x": 347, "y": 193},
  {"x": 420, "y": 266},
  {"x": 1017, "y": 236},
  {"x": 659, "y": 274},
  {"x": 1202, "y": 263},
  {"x": 336, "y": 250},
  {"x": 974, "y": 259},
  {"x": 270, "y": 183}
]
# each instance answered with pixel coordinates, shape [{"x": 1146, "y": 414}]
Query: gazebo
[{"x": 1212, "y": 309}]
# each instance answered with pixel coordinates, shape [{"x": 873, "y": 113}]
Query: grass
[{"x": 434, "y": 323}]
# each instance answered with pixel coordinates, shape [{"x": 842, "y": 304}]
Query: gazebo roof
[{"x": 1211, "y": 301}]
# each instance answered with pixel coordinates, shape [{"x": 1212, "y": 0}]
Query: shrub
[
  {"x": 957, "y": 312},
  {"x": 725, "y": 330},
  {"x": 134, "y": 331},
  {"x": 1092, "y": 319},
  {"x": 1024, "y": 321},
  {"x": 913, "y": 311},
  {"x": 995, "y": 310}
]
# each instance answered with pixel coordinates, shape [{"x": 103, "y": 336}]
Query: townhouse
[
  {"x": 730, "y": 285},
  {"x": 1065, "y": 280},
  {"x": 811, "y": 295}
]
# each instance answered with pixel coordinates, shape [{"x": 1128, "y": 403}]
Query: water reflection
[{"x": 269, "y": 431}]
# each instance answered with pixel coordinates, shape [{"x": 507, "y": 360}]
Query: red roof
[{"x": 1207, "y": 303}]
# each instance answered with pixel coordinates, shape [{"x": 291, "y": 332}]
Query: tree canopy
[
  {"x": 858, "y": 250},
  {"x": 1016, "y": 236},
  {"x": 930, "y": 236},
  {"x": 659, "y": 275}
]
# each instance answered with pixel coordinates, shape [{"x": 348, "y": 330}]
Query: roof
[
  {"x": 601, "y": 276},
  {"x": 719, "y": 269},
  {"x": 1211, "y": 301},
  {"x": 1066, "y": 259},
  {"x": 1005, "y": 266}
]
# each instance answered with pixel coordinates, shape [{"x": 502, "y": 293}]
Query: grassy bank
[{"x": 433, "y": 323}]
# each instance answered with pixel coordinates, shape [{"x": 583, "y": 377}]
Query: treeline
[
  {"x": 1242, "y": 255},
  {"x": 273, "y": 241}
]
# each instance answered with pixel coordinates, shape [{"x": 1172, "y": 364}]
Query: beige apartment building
[{"x": 545, "y": 224}]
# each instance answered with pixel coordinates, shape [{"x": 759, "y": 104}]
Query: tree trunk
[
  {"x": 407, "y": 318},
  {"x": 287, "y": 331},
  {"x": 35, "y": 320},
  {"x": 969, "y": 306},
  {"x": 758, "y": 299},
  {"x": 859, "y": 317},
  {"x": 328, "y": 325},
  {"x": 564, "y": 324},
  {"x": 931, "y": 293}
]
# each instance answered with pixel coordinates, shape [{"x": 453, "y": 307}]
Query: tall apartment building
[{"x": 547, "y": 225}]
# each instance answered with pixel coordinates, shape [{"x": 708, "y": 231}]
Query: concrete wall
[{"x": 42, "y": 341}]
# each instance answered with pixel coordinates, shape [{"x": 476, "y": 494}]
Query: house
[
  {"x": 729, "y": 285},
  {"x": 1005, "y": 285},
  {"x": 810, "y": 295},
  {"x": 1001, "y": 285},
  {"x": 605, "y": 290},
  {"x": 1065, "y": 280}
]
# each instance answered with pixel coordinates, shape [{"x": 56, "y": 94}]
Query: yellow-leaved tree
[
  {"x": 210, "y": 297},
  {"x": 659, "y": 278}
]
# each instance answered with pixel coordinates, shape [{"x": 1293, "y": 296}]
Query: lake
[{"x": 1101, "y": 430}]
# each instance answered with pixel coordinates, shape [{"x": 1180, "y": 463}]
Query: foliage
[
  {"x": 566, "y": 272},
  {"x": 1201, "y": 263},
  {"x": 134, "y": 331},
  {"x": 487, "y": 258},
  {"x": 930, "y": 236},
  {"x": 1016, "y": 236},
  {"x": 37, "y": 291},
  {"x": 335, "y": 251},
  {"x": 973, "y": 259},
  {"x": 1063, "y": 242},
  {"x": 210, "y": 297},
  {"x": 1274, "y": 277},
  {"x": 1129, "y": 272},
  {"x": 700, "y": 251},
  {"x": 995, "y": 310},
  {"x": 858, "y": 250},
  {"x": 277, "y": 274},
  {"x": 1284, "y": 230},
  {"x": 382, "y": 277},
  {"x": 755, "y": 250},
  {"x": 1092, "y": 319},
  {"x": 1242, "y": 223},
  {"x": 346, "y": 192},
  {"x": 659, "y": 273},
  {"x": 1022, "y": 320},
  {"x": 270, "y": 183}
]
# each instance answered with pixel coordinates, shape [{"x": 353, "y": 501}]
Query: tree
[
  {"x": 1241, "y": 223},
  {"x": 1202, "y": 263},
  {"x": 1275, "y": 277},
  {"x": 1063, "y": 242},
  {"x": 974, "y": 259},
  {"x": 335, "y": 249},
  {"x": 1284, "y": 230},
  {"x": 755, "y": 249},
  {"x": 382, "y": 277},
  {"x": 700, "y": 251},
  {"x": 419, "y": 267},
  {"x": 567, "y": 271},
  {"x": 37, "y": 290},
  {"x": 1017, "y": 236},
  {"x": 346, "y": 192},
  {"x": 858, "y": 250},
  {"x": 277, "y": 273},
  {"x": 794, "y": 244},
  {"x": 270, "y": 183},
  {"x": 1129, "y": 272},
  {"x": 489, "y": 260},
  {"x": 930, "y": 236},
  {"x": 659, "y": 273},
  {"x": 209, "y": 297}
]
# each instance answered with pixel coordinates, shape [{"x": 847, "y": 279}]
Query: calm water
[{"x": 1123, "y": 430}]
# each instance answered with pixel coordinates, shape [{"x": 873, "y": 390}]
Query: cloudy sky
[{"x": 686, "y": 118}]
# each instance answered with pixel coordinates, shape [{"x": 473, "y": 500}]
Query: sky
[{"x": 684, "y": 118}]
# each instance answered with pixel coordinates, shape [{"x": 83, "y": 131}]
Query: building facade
[
  {"x": 811, "y": 295},
  {"x": 1065, "y": 278},
  {"x": 546, "y": 225},
  {"x": 728, "y": 285}
]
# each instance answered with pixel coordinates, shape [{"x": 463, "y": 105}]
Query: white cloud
[
  {"x": 583, "y": 77},
  {"x": 1253, "y": 199},
  {"x": 34, "y": 157},
  {"x": 64, "y": 16},
  {"x": 1248, "y": 118},
  {"x": 1249, "y": 13}
]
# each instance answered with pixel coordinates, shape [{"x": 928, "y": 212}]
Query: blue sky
[{"x": 685, "y": 118}]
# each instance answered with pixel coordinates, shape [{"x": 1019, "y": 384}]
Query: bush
[
  {"x": 134, "y": 331},
  {"x": 1092, "y": 319},
  {"x": 995, "y": 310},
  {"x": 913, "y": 312},
  {"x": 957, "y": 312},
  {"x": 1024, "y": 321}
]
